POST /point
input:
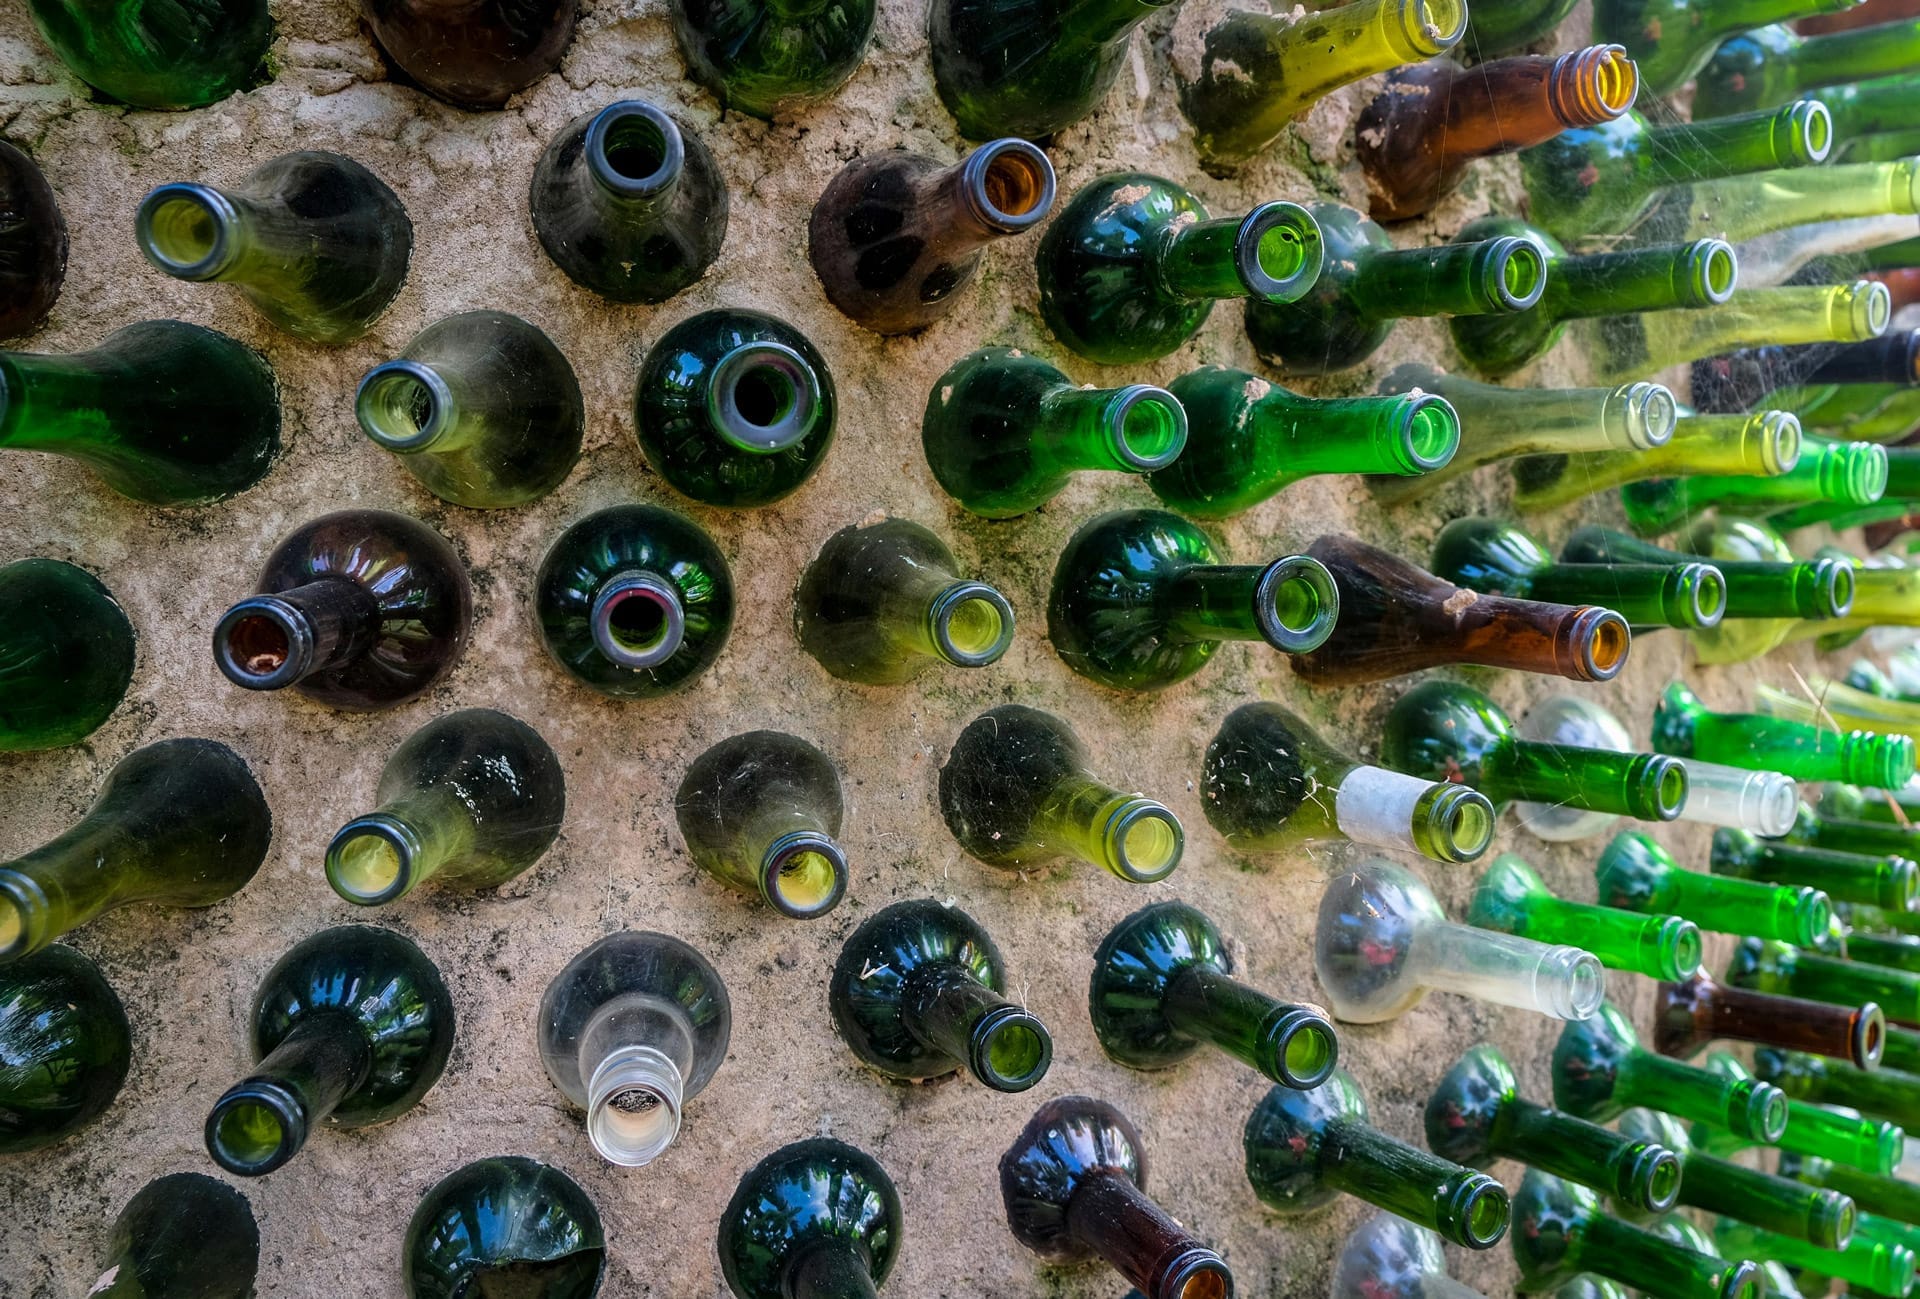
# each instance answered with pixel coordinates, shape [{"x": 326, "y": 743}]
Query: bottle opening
[
  {"x": 1477, "y": 1212},
  {"x": 254, "y": 1129},
  {"x": 637, "y": 620},
  {"x": 1304, "y": 1050},
  {"x": 805, "y": 875},
  {"x": 1670, "y": 791},
  {"x": 1869, "y": 1037},
  {"x": 1147, "y": 426},
  {"x": 370, "y": 861},
  {"x": 1706, "y": 595},
  {"x": 402, "y": 405},
  {"x": 634, "y": 149},
  {"x": 972, "y": 624},
  {"x": 1717, "y": 271},
  {"x": 1663, "y": 1182},
  {"x": 1862, "y": 479},
  {"x": 1872, "y": 309},
  {"x": 1742, "y": 1281},
  {"x": 1011, "y": 1050},
  {"x": 1683, "y": 947},
  {"x": 1012, "y": 184},
  {"x": 1811, "y": 123},
  {"x": 1838, "y": 585},
  {"x": 1814, "y": 914},
  {"x": 1522, "y": 274},
  {"x": 1781, "y": 442},
  {"x": 1766, "y": 1113},
  {"x": 183, "y": 230},
  {"x": 1603, "y": 650},
  {"x": 259, "y": 645},
  {"x": 633, "y": 1105},
  {"x": 1144, "y": 841},
  {"x": 1585, "y": 988},
  {"x": 1199, "y": 1274},
  {"x": 1652, "y": 415},
  {"x": 1616, "y": 80},
  {"x": 1432, "y": 432},
  {"x": 262, "y": 643},
  {"x": 1433, "y": 26},
  {"x": 1279, "y": 252},
  {"x": 763, "y": 397},
  {"x": 1469, "y": 827},
  {"x": 1296, "y": 604}
]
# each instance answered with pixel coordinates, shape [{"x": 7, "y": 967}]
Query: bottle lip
[
  {"x": 1476, "y": 1212},
  {"x": 1199, "y": 1271},
  {"x": 1809, "y": 127},
  {"x": 1428, "y": 431},
  {"x": 803, "y": 875},
  {"x": 1680, "y": 948},
  {"x": 263, "y": 643},
  {"x": 388, "y": 873},
  {"x": 763, "y": 397},
  {"x": 1166, "y": 842},
  {"x": 634, "y": 1079},
  {"x": 244, "y": 1105},
  {"x": 1578, "y": 985},
  {"x": 1302, "y": 1047},
  {"x": 1009, "y": 184},
  {"x": 956, "y": 601},
  {"x": 1743, "y": 1280},
  {"x": 1020, "y": 1039},
  {"x": 1146, "y": 426},
  {"x": 1462, "y": 820},
  {"x": 656, "y": 137},
  {"x": 637, "y": 620},
  {"x": 1781, "y": 441},
  {"x": 1279, "y": 252},
  {"x": 1835, "y": 580},
  {"x": 1813, "y": 916},
  {"x": 1599, "y": 641},
  {"x": 1869, "y": 1037},
  {"x": 1701, "y": 591},
  {"x": 1593, "y": 85},
  {"x": 1869, "y": 306},
  {"x": 1712, "y": 272},
  {"x": 1296, "y": 604},
  {"x": 1651, "y": 1180},
  {"x": 1763, "y": 1116},
  {"x": 1428, "y": 27},
  {"x": 386, "y": 404},
  {"x": 1512, "y": 273},
  {"x": 23, "y": 916},
  {"x": 188, "y": 230},
  {"x": 1855, "y": 473},
  {"x": 1652, "y": 414}
]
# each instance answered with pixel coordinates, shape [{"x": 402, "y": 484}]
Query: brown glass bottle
[
  {"x": 1415, "y": 139},
  {"x": 360, "y": 609},
  {"x": 1396, "y": 617},
  {"x": 896, "y": 234},
  {"x": 1693, "y": 1012},
  {"x": 475, "y": 53}
]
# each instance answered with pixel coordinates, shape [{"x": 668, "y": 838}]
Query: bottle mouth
[
  {"x": 1898, "y": 878},
  {"x": 1296, "y": 604},
  {"x": 1813, "y": 917},
  {"x": 1869, "y": 1038},
  {"x": 1780, "y": 441},
  {"x": 1677, "y": 949},
  {"x": 1889, "y": 1142},
  {"x": 1651, "y": 1181},
  {"x": 634, "y": 149},
  {"x": 263, "y": 643},
  {"x": 804, "y": 875},
  {"x": 1009, "y": 184},
  {"x": 1429, "y": 27},
  {"x": 403, "y": 405},
  {"x": 1807, "y": 125},
  {"x": 256, "y": 1127},
  {"x": 634, "y": 1101},
  {"x": 1758, "y": 1112},
  {"x": 1909, "y": 344},
  {"x": 1573, "y": 981},
  {"x": 1593, "y": 85},
  {"x": 1197, "y": 1274},
  {"x": 1429, "y": 432},
  {"x": 1512, "y": 273},
  {"x": 371, "y": 860},
  {"x": 763, "y": 398},
  {"x": 1474, "y": 1211},
  {"x": 637, "y": 620},
  {"x": 1869, "y": 310},
  {"x": 188, "y": 231},
  {"x": 1279, "y": 252},
  {"x": 1743, "y": 1280},
  {"x": 1009, "y": 1050},
  {"x": 1880, "y": 761},
  {"x": 1144, "y": 841},
  {"x": 1697, "y": 595},
  {"x": 23, "y": 916},
  {"x": 972, "y": 624},
  {"x": 1462, "y": 821},
  {"x": 1853, "y": 473},
  {"x": 1712, "y": 274},
  {"x": 1651, "y": 414},
  {"x": 1596, "y": 642},
  {"x": 1658, "y": 787},
  {"x": 1146, "y": 426},
  {"x": 1769, "y": 801},
  {"x": 1300, "y": 1048},
  {"x": 1834, "y": 578}
]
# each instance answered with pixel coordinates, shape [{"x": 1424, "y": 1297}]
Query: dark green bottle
[
  {"x": 1773, "y": 64},
  {"x": 1872, "y": 838},
  {"x": 1846, "y": 473},
  {"x": 1877, "y": 1267},
  {"x": 884, "y": 601},
  {"x": 164, "y": 412},
  {"x": 1885, "y": 881},
  {"x": 1671, "y": 40},
  {"x": 629, "y": 204},
  {"x": 505, "y": 1223},
  {"x": 1163, "y": 986},
  {"x": 761, "y": 812},
  {"x": 1247, "y": 439},
  {"x": 1477, "y": 1115},
  {"x": 481, "y": 408},
  {"x": 181, "y": 823},
  {"x": 769, "y": 58},
  {"x": 1685, "y": 727},
  {"x": 734, "y": 408},
  {"x": 634, "y": 601},
  {"x": 1004, "y": 431},
  {"x": 1872, "y": 1144},
  {"x": 349, "y": 1028},
  {"x": 1017, "y": 789},
  {"x": 67, "y": 1047},
  {"x": 1895, "y": 951},
  {"x": 160, "y": 53},
  {"x": 1561, "y": 1230},
  {"x": 1797, "y": 972},
  {"x": 1875, "y": 1193},
  {"x": 1821, "y": 1217},
  {"x": 182, "y": 1236},
  {"x": 1882, "y": 1093},
  {"x": 1511, "y": 25},
  {"x": 1131, "y": 267},
  {"x": 1367, "y": 285},
  {"x": 1141, "y": 600},
  {"x": 33, "y": 244},
  {"x": 918, "y": 993},
  {"x": 1304, "y": 1148},
  {"x": 818, "y": 1219},
  {"x": 1264, "y": 788},
  {"x": 1510, "y": 899},
  {"x": 66, "y": 654},
  {"x": 473, "y": 798},
  {"x": 1600, "y": 1069},
  {"x": 1636, "y": 874},
  {"x": 1820, "y": 588}
]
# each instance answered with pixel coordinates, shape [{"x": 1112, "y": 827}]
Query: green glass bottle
[
  {"x": 1744, "y": 541},
  {"x": 1822, "y": 588},
  {"x": 1874, "y": 1193},
  {"x": 1636, "y": 874},
  {"x": 1695, "y": 1011},
  {"x": 1017, "y": 789},
  {"x": 182, "y": 1236},
  {"x": 1882, "y": 1093},
  {"x": 1879, "y": 881},
  {"x": 1561, "y": 1231},
  {"x": 1004, "y": 431},
  {"x": 66, "y": 654},
  {"x": 1628, "y": 347},
  {"x": 181, "y": 823},
  {"x": 634, "y": 601},
  {"x": 481, "y": 408},
  {"x": 1502, "y": 28},
  {"x": 1600, "y": 1070},
  {"x": 1762, "y": 444},
  {"x": 761, "y": 812},
  {"x": 917, "y": 993},
  {"x": 1875, "y": 105},
  {"x": 1511, "y": 899},
  {"x": 472, "y": 799},
  {"x": 1367, "y": 285},
  {"x": 734, "y": 408},
  {"x": 1131, "y": 267},
  {"x": 1872, "y": 1144},
  {"x": 1895, "y": 951},
  {"x": 1798, "y": 972},
  {"x": 67, "y": 1046},
  {"x": 169, "y": 54},
  {"x": 1780, "y": 220},
  {"x": 1878, "y": 1267},
  {"x": 1846, "y": 802},
  {"x": 1770, "y": 65},
  {"x": 315, "y": 241},
  {"x": 33, "y": 243},
  {"x": 1481, "y": 554},
  {"x": 1163, "y": 986},
  {"x": 350, "y": 1027},
  {"x": 883, "y": 601},
  {"x": 164, "y": 412},
  {"x": 504, "y": 1221},
  {"x": 1847, "y": 473},
  {"x": 1684, "y": 726},
  {"x": 1305, "y": 1147},
  {"x": 769, "y": 58},
  {"x": 1142, "y": 599},
  {"x": 1665, "y": 277},
  {"x": 1264, "y": 788},
  {"x": 818, "y": 1219},
  {"x": 1820, "y": 1217},
  {"x": 1477, "y": 1115}
]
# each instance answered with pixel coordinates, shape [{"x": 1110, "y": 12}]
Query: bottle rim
[
  {"x": 1712, "y": 272},
  {"x": 372, "y": 859},
  {"x": 960, "y": 614},
  {"x": 803, "y": 875},
  {"x": 763, "y": 398},
  {"x": 637, "y": 620},
  {"x": 1141, "y": 827},
  {"x": 1296, "y": 604},
  {"x": 188, "y": 230},
  {"x": 1428, "y": 431},
  {"x": 634, "y": 149},
  {"x": 254, "y": 1128},
  {"x": 263, "y": 643},
  {"x": 1279, "y": 252},
  {"x": 1146, "y": 427},
  {"x": 1781, "y": 441},
  {"x": 403, "y": 405},
  {"x": 1009, "y": 184},
  {"x": 1009, "y": 1049}
]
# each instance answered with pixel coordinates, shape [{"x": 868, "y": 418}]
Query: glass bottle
[
  {"x": 181, "y": 823},
  {"x": 918, "y": 993},
  {"x": 1072, "y": 1184},
  {"x": 630, "y": 1031},
  {"x": 1765, "y": 443},
  {"x": 66, "y": 654},
  {"x": 359, "y": 610},
  {"x": 1770, "y": 65},
  {"x": 1878, "y": 1267},
  {"x": 1797, "y": 972},
  {"x": 1416, "y": 139},
  {"x": 1874, "y": 1193},
  {"x": 1821, "y": 588},
  {"x": 1367, "y": 285},
  {"x": 1131, "y": 267},
  {"x": 1844, "y": 1135},
  {"x": 1477, "y": 1115},
  {"x": 1745, "y": 209},
  {"x": 1163, "y": 986},
  {"x": 1881, "y": 1093},
  {"x": 1663, "y": 277},
  {"x": 1004, "y": 431},
  {"x": 166, "y": 413},
  {"x": 1744, "y": 541},
  {"x": 761, "y": 812},
  {"x": 1271, "y": 783},
  {"x": 1879, "y": 881},
  {"x": 818, "y": 1219},
  {"x": 634, "y": 601},
  {"x": 896, "y": 235},
  {"x": 1142, "y": 599},
  {"x": 1481, "y": 554},
  {"x": 1847, "y": 473},
  {"x": 628, "y": 203},
  {"x": 509, "y": 1220},
  {"x": 160, "y": 53},
  {"x": 33, "y": 244},
  {"x": 481, "y": 408},
  {"x": 182, "y": 1236},
  {"x": 1636, "y": 874},
  {"x": 883, "y": 601},
  {"x": 1685, "y": 727},
  {"x": 1387, "y": 1257},
  {"x": 1017, "y": 789},
  {"x": 1257, "y": 71},
  {"x": 769, "y": 58},
  {"x": 471, "y": 799},
  {"x": 1672, "y": 40},
  {"x": 1561, "y": 1230},
  {"x": 1383, "y": 942},
  {"x": 475, "y": 55},
  {"x": 317, "y": 243},
  {"x": 1600, "y": 1070},
  {"x": 1638, "y": 345},
  {"x": 1698, "y": 1010},
  {"x": 1872, "y": 839},
  {"x": 1895, "y": 951},
  {"x": 68, "y": 1047},
  {"x": 1782, "y": 253},
  {"x": 1511, "y": 899},
  {"x": 1247, "y": 439},
  {"x": 1304, "y": 1148},
  {"x": 1397, "y": 618},
  {"x": 734, "y": 408},
  {"x": 351, "y": 1027}
]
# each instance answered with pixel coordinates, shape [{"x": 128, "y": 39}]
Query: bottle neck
[
  {"x": 1291, "y": 1045},
  {"x": 63, "y": 884},
  {"x": 1853, "y": 1033},
  {"x": 1484, "y": 277},
  {"x": 1866, "y": 1143},
  {"x": 1110, "y": 1216},
  {"x": 199, "y": 233},
  {"x": 1135, "y": 838},
  {"x": 1437, "y": 819},
  {"x": 1759, "y": 802},
  {"x": 1404, "y": 434},
  {"x": 634, "y": 156},
  {"x": 1843, "y": 313},
  {"x": 1646, "y": 786},
  {"x": 271, "y": 641},
  {"x": 1135, "y": 429},
  {"x": 1658, "y": 946},
  {"x": 1864, "y": 52},
  {"x": 1648, "y": 1262},
  {"x": 1751, "y": 1110},
  {"x": 1688, "y": 595},
  {"x": 1764, "y": 444},
  {"x": 1871, "y": 107},
  {"x": 1004, "y": 187},
  {"x": 636, "y": 1059},
  {"x": 1796, "y": 135},
  {"x": 1638, "y": 1173},
  {"x": 1464, "y": 1206},
  {"x": 637, "y": 619},
  {"x": 1272, "y": 254},
  {"x": 1513, "y": 103},
  {"x": 947, "y": 1009},
  {"x": 833, "y": 1268},
  {"x": 1699, "y": 274},
  {"x": 802, "y": 871},
  {"x": 409, "y": 407},
  {"x": 1731, "y": 906},
  {"x": 1561, "y": 982},
  {"x": 386, "y": 854},
  {"x": 38, "y": 395},
  {"x": 261, "y": 1123},
  {"x": 1291, "y": 604}
]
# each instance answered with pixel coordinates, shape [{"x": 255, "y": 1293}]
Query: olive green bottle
[
  {"x": 1561, "y": 1230},
  {"x": 505, "y": 1220},
  {"x": 1813, "y": 1214},
  {"x": 67, "y": 1047},
  {"x": 1822, "y": 588},
  {"x": 1635, "y": 346},
  {"x": 1772, "y": 64},
  {"x": 761, "y": 813},
  {"x": 769, "y": 58},
  {"x": 818, "y": 1219},
  {"x": 182, "y": 1236},
  {"x": 160, "y": 53},
  {"x": 1764, "y": 444},
  {"x": 1846, "y": 473},
  {"x": 66, "y": 654}
]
